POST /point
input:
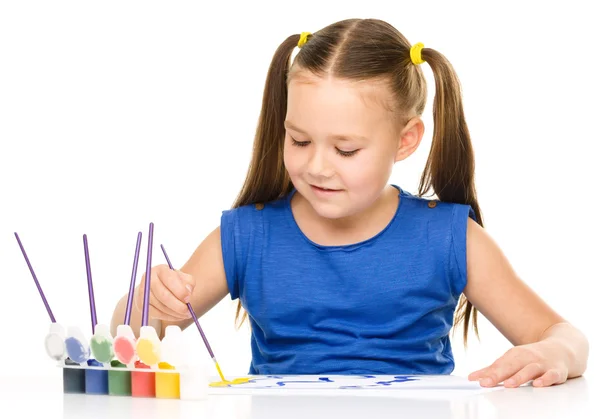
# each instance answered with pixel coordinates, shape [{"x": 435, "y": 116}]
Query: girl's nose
[{"x": 319, "y": 166}]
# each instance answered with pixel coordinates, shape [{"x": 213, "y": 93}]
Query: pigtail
[
  {"x": 267, "y": 179},
  {"x": 450, "y": 167}
]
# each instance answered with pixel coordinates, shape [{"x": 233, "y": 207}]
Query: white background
[{"x": 115, "y": 114}]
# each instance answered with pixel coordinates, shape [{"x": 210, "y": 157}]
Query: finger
[
  {"x": 176, "y": 285},
  {"x": 476, "y": 375},
  {"x": 501, "y": 369},
  {"x": 550, "y": 377},
  {"x": 528, "y": 373},
  {"x": 165, "y": 298},
  {"x": 155, "y": 309},
  {"x": 159, "y": 305},
  {"x": 188, "y": 279},
  {"x": 155, "y": 313}
]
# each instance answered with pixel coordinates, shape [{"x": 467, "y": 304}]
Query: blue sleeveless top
[{"x": 381, "y": 306}]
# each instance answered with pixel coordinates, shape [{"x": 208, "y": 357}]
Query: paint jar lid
[
  {"x": 125, "y": 331},
  {"x": 56, "y": 329},
  {"x": 75, "y": 332},
  {"x": 78, "y": 347},
  {"x": 55, "y": 342},
  {"x": 171, "y": 346},
  {"x": 172, "y": 330},
  {"x": 148, "y": 332},
  {"x": 102, "y": 330},
  {"x": 191, "y": 358}
]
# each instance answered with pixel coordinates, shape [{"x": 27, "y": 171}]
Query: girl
[{"x": 340, "y": 272}]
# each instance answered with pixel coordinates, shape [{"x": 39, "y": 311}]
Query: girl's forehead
[
  {"x": 335, "y": 107},
  {"x": 372, "y": 95}
]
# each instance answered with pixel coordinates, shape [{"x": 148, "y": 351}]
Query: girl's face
[{"x": 341, "y": 143}]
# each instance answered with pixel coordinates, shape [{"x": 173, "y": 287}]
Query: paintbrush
[
  {"x": 37, "y": 284},
  {"x": 55, "y": 339},
  {"x": 212, "y": 355},
  {"x": 136, "y": 257},
  {"x": 124, "y": 344},
  {"x": 88, "y": 271}
]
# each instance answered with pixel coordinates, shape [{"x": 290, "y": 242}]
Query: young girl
[{"x": 340, "y": 272}]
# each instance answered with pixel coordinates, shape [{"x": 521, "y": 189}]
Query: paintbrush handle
[
  {"x": 136, "y": 258},
  {"x": 148, "y": 274},
  {"x": 37, "y": 284},
  {"x": 212, "y": 355},
  {"x": 88, "y": 271}
]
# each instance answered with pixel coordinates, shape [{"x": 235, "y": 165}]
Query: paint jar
[
  {"x": 73, "y": 377},
  {"x": 96, "y": 380},
  {"x": 193, "y": 382},
  {"x": 124, "y": 345},
  {"x": 55, "y": 342},
  {"x": 101, "y": 344},
  {"x": 119, "y": 382},
  {"x": 167, "y": 383},
  {"x": 77, "y": 347},
  {"x": 142, "y": 382},
  {"x": 147, "y": 346}
]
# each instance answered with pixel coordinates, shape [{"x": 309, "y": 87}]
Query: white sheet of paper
[{"x": 340, "y": 383}]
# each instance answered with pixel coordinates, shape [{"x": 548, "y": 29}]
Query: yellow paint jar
[{"x": 167, "y": 383}]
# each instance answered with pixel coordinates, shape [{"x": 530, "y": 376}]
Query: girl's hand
[
  {"x": 544, "y": 362},
  {"x": 170, "y": 291}
]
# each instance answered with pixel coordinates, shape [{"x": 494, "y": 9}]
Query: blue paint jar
[{"x": 96, "y": 381}]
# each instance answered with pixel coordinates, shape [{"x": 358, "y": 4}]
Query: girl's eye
[
  {"x": 342, "y": 153},
  {"x": 346, "y": 153},
  {"x": 300, "y": 143}
]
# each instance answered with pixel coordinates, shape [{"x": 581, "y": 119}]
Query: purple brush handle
[
  {"x": 212, "y": 355},
  {"x": 37, "y": 284},
  {"x": 136, "y": 257},
  {"x": 88, "y": 271},
  {"x": 148, "y": 272},
  {"x": 200, "y": 330}
]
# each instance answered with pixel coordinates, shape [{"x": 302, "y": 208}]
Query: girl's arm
[
  {"x": 206, "y": 267},
  {"x": 547, "y": 349},
  {"x": 204, "y": 271}
]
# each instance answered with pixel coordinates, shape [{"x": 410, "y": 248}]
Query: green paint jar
[{"x": 119, "y": 382}]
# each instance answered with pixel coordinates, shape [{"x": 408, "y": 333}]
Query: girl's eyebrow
[{"x": 293, "y": 127}]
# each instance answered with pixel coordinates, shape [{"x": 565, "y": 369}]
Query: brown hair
[{"x": 369, "y": 49}]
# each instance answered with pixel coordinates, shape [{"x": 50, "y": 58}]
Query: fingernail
[
  {"x": 510, "y": 382},
  {"x": 189, "y": 288}
]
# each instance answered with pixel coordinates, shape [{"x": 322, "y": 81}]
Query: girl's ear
[{"x": 410, "y": 138}]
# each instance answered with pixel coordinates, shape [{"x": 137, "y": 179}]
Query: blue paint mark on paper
[
  {"x": 341, "y": 382},
  {"x": 320, "y": 380},
  {"x": 397, "y": 379}
]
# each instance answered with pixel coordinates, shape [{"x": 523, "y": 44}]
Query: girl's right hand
[{"x": 170, "y": 291}]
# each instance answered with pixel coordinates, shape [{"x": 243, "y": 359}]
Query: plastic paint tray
[{"x": 183, "y": 384}]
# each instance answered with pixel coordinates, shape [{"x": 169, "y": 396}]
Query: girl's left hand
[{"x": 543, "y": 362}]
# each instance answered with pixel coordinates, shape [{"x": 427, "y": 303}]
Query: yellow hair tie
[
  {"x": 303, "y": 39},
  {"x": 415, "y": 54}
]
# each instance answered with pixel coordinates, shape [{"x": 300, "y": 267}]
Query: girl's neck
[{"x": 348, "y": 230}]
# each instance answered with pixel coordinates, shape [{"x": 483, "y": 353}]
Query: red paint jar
[{"x": 143, "y": 382}]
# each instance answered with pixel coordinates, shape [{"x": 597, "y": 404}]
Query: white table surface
[{"x": 43, "y": 397}]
